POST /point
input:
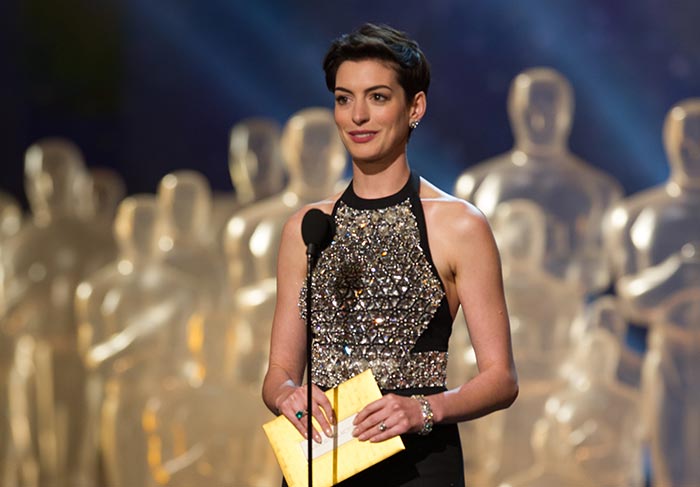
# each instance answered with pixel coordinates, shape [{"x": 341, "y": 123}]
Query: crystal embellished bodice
[{"x": 377, "y": 299}]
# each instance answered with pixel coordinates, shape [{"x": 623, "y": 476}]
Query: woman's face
[{"x": 371, "y": 111}]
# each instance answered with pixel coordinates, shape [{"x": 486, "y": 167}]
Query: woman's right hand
[{"x": 291, "y": 402}]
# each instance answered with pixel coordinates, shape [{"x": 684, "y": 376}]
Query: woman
[{"x": 404, "y": 257}]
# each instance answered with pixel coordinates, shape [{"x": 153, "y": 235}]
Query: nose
[{"x": 360, "y": 113}]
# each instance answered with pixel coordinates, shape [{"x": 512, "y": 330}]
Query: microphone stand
[
  {"x": 317, "y": 231},
  {"x": 310, "y": 261}
]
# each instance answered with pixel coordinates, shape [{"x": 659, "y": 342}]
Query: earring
[{"x": 414, "y": 124}]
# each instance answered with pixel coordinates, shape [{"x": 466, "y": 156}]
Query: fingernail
[
  {"x": 305, "y": 435},
  {"x": 329, "y": 432},
  {"x": 354, "y": 432},
  {"x": 317, "y": 438}
]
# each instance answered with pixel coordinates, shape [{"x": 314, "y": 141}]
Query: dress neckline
[{"x": 350, "y": 198}]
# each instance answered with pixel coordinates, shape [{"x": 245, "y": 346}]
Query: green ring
[{"x": 299, "y": 414}]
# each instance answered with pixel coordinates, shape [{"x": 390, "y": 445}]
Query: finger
[
  {"x": 389, "y": 420},
  {"x": 323, "y": 423},
  {"x": 368, "y": 410},
  {"x": 371, "y": 425},
  {"x": 315, "y": 434},
  {"x": 381, "y": 435},
  {"x": 300, "y": 419},
  {"x": 297, "y": 416},
  {"x": 315, "y": 411},
  {"x": 294, "y": 409},
  {"x": 325, "y": 404},
  {"x": 379, "y": 431},
  {"x": 323, "y": 412}
]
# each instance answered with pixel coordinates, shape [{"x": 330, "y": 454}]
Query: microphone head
[{"x": 317, "y": 229}]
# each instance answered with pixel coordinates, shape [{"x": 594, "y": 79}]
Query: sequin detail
[{"x": 374, "y": 294}]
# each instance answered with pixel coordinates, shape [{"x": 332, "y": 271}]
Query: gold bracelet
[{"x": 427, "y": 413}]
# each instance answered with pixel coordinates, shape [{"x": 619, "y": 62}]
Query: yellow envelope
[{"x": 337, "y": 458}]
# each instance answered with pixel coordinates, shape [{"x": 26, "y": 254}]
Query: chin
[
  {"x": 365, "y": 159},
  {"x": 362, "y": 155}
]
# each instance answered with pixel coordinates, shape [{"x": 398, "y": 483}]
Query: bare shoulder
[
  {"x": 458, "y": 233},
  {"x": 445, "y": 212}
]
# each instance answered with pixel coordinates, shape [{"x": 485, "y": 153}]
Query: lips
[{"x": 362, "y": 136}]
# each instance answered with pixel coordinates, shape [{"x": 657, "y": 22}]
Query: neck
[
  {"x": 374, "y": 185},
  {"x": 375, "y": 179}
]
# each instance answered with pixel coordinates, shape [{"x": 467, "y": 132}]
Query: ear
[{"x": 418, "y": 107}]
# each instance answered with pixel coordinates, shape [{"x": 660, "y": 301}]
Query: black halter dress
[{"x": 378, "y": 302}]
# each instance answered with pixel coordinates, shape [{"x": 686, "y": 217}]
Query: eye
[
  {"x": 341, "y": 99},
  {"x": 379, "y": 97}
]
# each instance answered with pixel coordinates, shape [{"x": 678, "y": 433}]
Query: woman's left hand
[{"x": 387, "y": 417}]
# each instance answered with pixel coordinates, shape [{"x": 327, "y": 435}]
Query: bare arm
[
  {"x": 477, "y": 280},
  {"x": 288, "y": 339},
  {"x": 282, "y": 390}
]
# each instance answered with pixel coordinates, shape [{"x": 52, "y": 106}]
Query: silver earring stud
[{"x": 414, "y": 124}]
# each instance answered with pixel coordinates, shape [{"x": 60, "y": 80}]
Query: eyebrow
[{"x": 371, "y": 88}]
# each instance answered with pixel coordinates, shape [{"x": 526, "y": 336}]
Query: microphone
[{"x": 317, "y": 230}]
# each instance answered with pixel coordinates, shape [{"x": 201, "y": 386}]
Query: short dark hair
[{"x": 382, "y": 42}]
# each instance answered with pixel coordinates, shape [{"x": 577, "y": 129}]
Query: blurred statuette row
[{"x": 134, "y": 330}]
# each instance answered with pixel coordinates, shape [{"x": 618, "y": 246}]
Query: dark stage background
[{"x": 146, "y": 87}]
